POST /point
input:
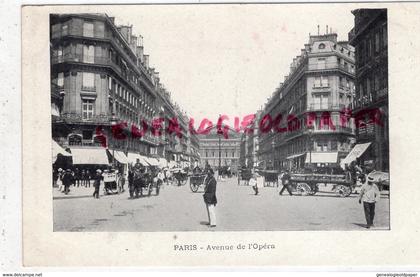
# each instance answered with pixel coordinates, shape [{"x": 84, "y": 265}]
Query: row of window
[{"x": 213, "y": 154}]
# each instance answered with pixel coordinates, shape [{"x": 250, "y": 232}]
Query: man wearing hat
[
  {"x": 97, "y": 183},
  {"x": 210, "y": 197},
  {"x": 68, "y": 179},
  {"x": 285, "y": 180},
  {"x": 369, "y": 194}
]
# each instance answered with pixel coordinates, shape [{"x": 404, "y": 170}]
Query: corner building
[
  {"x": 316, "y": 93},
  {"x": 100, "y": 76}
]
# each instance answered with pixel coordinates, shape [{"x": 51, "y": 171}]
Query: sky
[{"x": 227, "y": 59}]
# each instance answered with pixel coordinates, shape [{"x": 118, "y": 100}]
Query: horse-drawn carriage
[
  {"x": 197, "y": 180},
  {"x": 144, "y": 182},
  {"x": 179, "y": 176}
]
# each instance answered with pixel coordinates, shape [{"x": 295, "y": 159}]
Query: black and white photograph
[{"x": 212, "y": 118}]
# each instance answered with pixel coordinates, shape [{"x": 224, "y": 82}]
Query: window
[
  {"x": 87, "y": 109},
  {"x": 88, "y": 80},
  {"x": 320, "y": 102},
  {"x": 322, "y": 63},
  {"x": 321, "y": 46},
  {"x": 324, "y": 81},
  {"x": 317, "y": 82},
  {"x": 377, "y": 42},
  {"x": 88, "y": 54},
  {"x": 87, "y": 29},
  {"x": 322, "y": 146}
]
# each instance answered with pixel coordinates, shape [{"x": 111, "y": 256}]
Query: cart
[
  {"x": 307, "y": 183},
  {"x": 113, "y": 182},
  {"x": 196, "y": 181},
  {"x": 144, "y": 183},
  {"x": 180, "y": 176}
]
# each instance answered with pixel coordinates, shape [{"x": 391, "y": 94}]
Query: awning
[
  {"x": 132, "y": 158},
  {"x": 322, "y": 157},
  {"x": 163, "y": 162},
  {"x": 355, "y": 153},
  {"x": 120, "y": 156},
  {"x": 152, "y": 161},
  {"x": 295, "y": 156},
  {"x": 89, "y": 156},
  {"x": 172, "y": 164},
  {"x": 58, "y": 150}
]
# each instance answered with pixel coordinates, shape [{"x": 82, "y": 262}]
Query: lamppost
[
  {"x": 310, "y": 133},
  {"x": 113, "y": 121}
]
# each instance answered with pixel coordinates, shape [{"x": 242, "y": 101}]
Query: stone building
[
  {"x": 306, "y": 121},
  {"x": 370, "y": 39},
  {"x": 102, "y": 83}
]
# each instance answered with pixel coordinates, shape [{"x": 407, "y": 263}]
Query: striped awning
[
  {"x": 120, "y": 156},
  {"x": 89, "y": 156},
  {"x": 58, "y": 150},
  {"x": 322, "y": 157}
]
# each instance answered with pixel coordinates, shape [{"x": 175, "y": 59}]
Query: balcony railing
[
  {"x": 373, "y": 98},
  {"x": 331, "y": 66}
]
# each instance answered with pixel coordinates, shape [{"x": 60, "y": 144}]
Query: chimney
[
  {"x": 318, "y": 30},
  {"x": 146, "y": 61},
  {"x": 140, "y": 41},
  {"x": 330, "y": 30},
  {"x": 326, "y": 30},
  {"x": 139, "y": 52}
]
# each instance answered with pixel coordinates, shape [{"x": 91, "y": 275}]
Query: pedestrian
[
  {"x": 68, "y": 180},
  {"x": 83, "y": 178},
  {"x": 285, "y": 181},
  {"x": 87, "y": 178},
  {"x": 60, "y": 179},
  {"x": 210, "y": 197},
  {"x": 77, "y": 176},
  {"x": 256, "y": 182},
  {"x": 97, "y": 183},
  {"x": 369, "y": 195},
  {"x": 130, "y": 183}
]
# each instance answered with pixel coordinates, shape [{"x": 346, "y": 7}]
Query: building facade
[
  {"x": 309, "y": 112},
  {"x": 217, "y": 150},
  {"x": 370, "y": 39},
  {"x": 249, "y": 145},
  {"x": 102, "y": 83}
]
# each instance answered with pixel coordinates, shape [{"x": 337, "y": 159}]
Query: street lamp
[
  {"x": 310, "y": 132},
  {"x": 113, "y": 121}
]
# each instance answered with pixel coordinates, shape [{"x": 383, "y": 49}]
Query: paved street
[{"x": 179, "y": 209}]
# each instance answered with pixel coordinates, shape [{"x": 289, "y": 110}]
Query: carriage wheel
[
  {"x": 349, "y": 191},
  {"x": 314, "y": 189},
  {"x": 182, "y": 181},
  {"x": 303, "y": 189},
  {"x": 193, "y": 187},
  {"x": 342, "y": 191}
]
